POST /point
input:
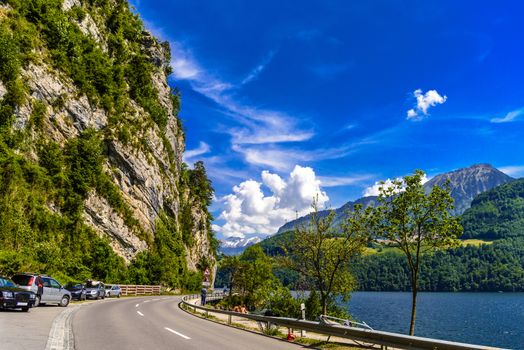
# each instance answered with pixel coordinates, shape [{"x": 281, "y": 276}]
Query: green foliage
[
  {"x": 9, "y": 55},
  {"x": 36, "y": 119},
  {"x": 417, "y": 222},
  {"x": 486, "y": 268},
  {"x": 498, "y": 213},
  {"x": 41, "y": 203},
  {"x": 323, "y": 256},
  {"x": 252, "y": 283}
]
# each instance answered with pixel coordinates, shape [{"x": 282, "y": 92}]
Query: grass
[{"x": 475, "y": 242}]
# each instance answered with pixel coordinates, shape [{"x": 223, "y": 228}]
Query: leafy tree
[
  {"x": 417, "y": 222},
  {"x": 322, "y": 254}
]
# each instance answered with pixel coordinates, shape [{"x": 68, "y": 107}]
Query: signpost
[{"x": 206, "y": 282}]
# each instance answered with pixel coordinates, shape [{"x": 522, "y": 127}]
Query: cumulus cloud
[
  {"x": 375, "y": 189},
  {"x": 424, "y": 101},
  {"x": 249, "y": 211},
  {"x": 511, "y": 116}
]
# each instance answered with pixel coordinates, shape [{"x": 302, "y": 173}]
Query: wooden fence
[{"x": 131, "y": 289}]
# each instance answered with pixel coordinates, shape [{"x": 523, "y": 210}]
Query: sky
[{"x": 287, "y": 101}]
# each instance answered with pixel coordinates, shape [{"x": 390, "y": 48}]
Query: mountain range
[
  {"x": 465, "y": 184},
  {"x": 236, "y": 245}
]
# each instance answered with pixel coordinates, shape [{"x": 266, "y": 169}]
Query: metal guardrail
[{"x": 384, "y": 339}]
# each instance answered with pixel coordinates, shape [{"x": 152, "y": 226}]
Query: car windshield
[
  {"x": 74, "y": 286},
  {"x": 4, "y": 282},
  {"x": 22, "y": 280}
]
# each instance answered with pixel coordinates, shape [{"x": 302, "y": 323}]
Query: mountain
[
  {"x": 235, "y": 245},
  {"x": 92, "y": 182},
  {"x": 498, "y": 213},
  {"x": 465, "y": 183},
  {"x": 339, "y": 213}
]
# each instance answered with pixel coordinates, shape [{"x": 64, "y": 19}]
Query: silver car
[
  {"x": 95, "y": 290},
  {"x": 113, "y": 291},
  {"x": 47, "y": 289}
]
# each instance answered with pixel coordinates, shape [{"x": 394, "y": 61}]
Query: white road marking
[
  {"x": 137, "y": 305},
  {"x": 155, "y": 299},
  {"x": 175, "y": 332},
  {"x": 141, "y": 314},
  {"x": 147, "y": 301}
]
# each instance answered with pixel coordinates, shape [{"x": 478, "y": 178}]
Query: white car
[{"x": 113, "y": 291}]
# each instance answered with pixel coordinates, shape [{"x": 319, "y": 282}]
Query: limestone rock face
[{"x": 148, "y": 177}]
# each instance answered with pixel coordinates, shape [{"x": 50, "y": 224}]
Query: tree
[
  {"x": 417, "y": 222},
  {"x": 322, "y": 254}
]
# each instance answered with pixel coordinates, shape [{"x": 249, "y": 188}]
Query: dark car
[
  {"x": 95, "y": 290},
  {"x": 78, "y": 291},
  {"x": 13, "y": 297}
]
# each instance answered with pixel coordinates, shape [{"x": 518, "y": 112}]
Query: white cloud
[
  {"x": 424, "y": 101},
  {"x": 284, "y": 159},
  {"x": 375, "y": 189},
  {"x": 258, "y": 69},
  {"x": 513, "y": 170},
  {"x": 203, "y": 148},
  {"x": 511, "y": 116},
  {"x": 334, "y": 181},
  {"x": 249, "y": 211}
]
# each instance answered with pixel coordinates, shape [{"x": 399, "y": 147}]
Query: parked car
[
  {"x": 95, "y": 290},
  {"x": 78, "y": 291},
  {"x": 47, "y": 289},
  {"x": 13, "y": 297},
  {"x": 113, "y": 291}
]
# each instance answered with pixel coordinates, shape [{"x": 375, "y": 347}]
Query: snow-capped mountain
[{"x": 236, "y": 245}]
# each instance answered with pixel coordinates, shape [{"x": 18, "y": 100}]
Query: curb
[{"x": 61, "y": 333}]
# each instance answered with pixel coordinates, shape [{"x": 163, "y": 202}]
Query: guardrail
[
  {"x": 384, "y": 339},
  {"x": 132, "y": 289}
]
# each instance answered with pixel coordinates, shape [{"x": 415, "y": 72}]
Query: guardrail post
[
  {"x": 229, "y": 317},
  {"x": 207, "y": 314}
]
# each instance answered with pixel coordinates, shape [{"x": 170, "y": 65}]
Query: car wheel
[
  {"x": 98, "y": 296},
  {"x": 65, "y": 301},
  {"x": 37, "y": 300},
  {"x": 118, "y": 295},
  {"x": 84, "y": 297},
  {"x": 25, "y": 309}
]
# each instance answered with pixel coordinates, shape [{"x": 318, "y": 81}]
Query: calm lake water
[{"x": 495, "y": 319}]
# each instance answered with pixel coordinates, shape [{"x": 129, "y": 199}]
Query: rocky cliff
[{"x": 89, "y": 71}]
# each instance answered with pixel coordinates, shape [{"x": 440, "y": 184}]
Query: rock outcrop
[{"x": 147, "y": 170}]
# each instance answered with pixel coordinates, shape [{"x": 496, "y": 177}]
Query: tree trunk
[
  {"x": 323, "y": 300},
  {"x": 414, "y": 290}
]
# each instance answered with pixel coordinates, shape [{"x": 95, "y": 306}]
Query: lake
[{"x": 495, "y": 319}]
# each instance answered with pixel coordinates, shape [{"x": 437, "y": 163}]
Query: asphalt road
[
  {"x": 158, "y": 323},
  {"x": 27, "y": 330}
]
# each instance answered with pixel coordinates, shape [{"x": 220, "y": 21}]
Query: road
[
  {"x": 27, "y": 330},
  {"x": 158, "y": 323}
]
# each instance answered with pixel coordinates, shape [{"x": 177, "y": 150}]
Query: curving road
[{"x": 158, "y": 323}]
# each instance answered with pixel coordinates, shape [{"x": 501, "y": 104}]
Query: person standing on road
[{"x": 203, "y": 294}]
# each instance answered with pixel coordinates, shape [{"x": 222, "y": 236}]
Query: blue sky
[{"x": 287, "y": 100}]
